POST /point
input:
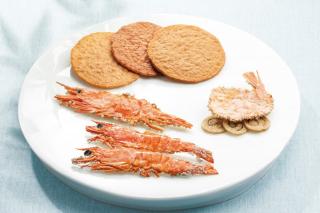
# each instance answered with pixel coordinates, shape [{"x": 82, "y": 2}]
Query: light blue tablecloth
[{"x": 291, "y": 27}]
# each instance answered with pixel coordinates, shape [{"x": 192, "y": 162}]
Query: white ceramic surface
[{"x": 53, "y": 132}]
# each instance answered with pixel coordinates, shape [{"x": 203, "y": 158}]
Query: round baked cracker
[
  {"x": 129, "y": 47},
  {"x": 186, "y": 53},
  {"x": 92, "y": 61}
]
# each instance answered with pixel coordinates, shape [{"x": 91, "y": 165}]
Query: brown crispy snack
[
  {"x": 212, "y": 124},
  {"x": 92, "y": 61},
  {"x": 186, "y": 53},
  {"x": 129, "y": 47},
  {"x": 235, "y": 128},
  {"x": 257, "y": 124}
]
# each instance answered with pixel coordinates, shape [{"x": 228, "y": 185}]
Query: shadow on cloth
[{"x": 65, "y": 198}]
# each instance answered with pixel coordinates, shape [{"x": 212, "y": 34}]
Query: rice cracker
[
  {"x": 129, "y": 47},
  {"x": 92, "y": 61},
  {"x": 186, "y": 53}
]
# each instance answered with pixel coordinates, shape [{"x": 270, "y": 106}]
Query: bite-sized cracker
[
  {"x": 235, "y": 128},
  {"x": 129, "y": 47},
  {"x": 92, "y": 61},
  {"x": 257, "y": 124},
  {"x": 186, "y": 53},
  {"x": 212, "y": 124}
]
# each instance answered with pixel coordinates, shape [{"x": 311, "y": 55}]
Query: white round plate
[{"x": 53, "y": 131}]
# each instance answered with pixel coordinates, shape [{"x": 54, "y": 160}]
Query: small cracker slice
[
  {"x": 212, "y": 124},
  {"x": 92, "y": 61},
  {"x": 129, "y": 47},
  {"x": 186, "y": 53},
  {"x": 235, "y": 128},
  {"x": 257, "y": 124}
]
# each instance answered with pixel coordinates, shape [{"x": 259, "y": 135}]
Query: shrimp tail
[{"x": 255, "y": 81}]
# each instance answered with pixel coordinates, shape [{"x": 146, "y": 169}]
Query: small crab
[{"x": 236, "y": 104}]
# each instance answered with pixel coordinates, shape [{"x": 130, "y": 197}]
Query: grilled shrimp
[
  {"x": 123, "y": 107},
  {"x": 117, "y": 136},
  {"x": 145, "y": 163}
]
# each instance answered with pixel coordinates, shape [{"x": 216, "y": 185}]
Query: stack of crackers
[{"x": 183, "y": 53}]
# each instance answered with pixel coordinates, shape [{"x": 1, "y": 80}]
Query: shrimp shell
[
  {"x": 122, "y": 107},
  {"x": 145, "y": 163},
  {"x": 117, "y": 136}
]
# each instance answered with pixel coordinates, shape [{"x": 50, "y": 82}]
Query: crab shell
[{"x": 239, "y": 104}]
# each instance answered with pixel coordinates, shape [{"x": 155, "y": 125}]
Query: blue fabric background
[{"x": 291, "y": 27}]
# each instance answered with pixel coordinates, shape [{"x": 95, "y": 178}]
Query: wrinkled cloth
[{"x": 291, "y": 27}]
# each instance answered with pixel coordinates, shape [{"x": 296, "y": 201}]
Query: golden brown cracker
[
  {"x": 257, "y": 124},
  {"x": 212, "y": 124},
  {"x": 235, "y": 128},
  {"x": 186, "y": 53},
  {"x": 92, "y": 61},
  {"x": 129, "y": 47}
]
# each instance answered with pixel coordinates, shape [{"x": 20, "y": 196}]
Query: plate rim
[{"x": 200, "y": 194}]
